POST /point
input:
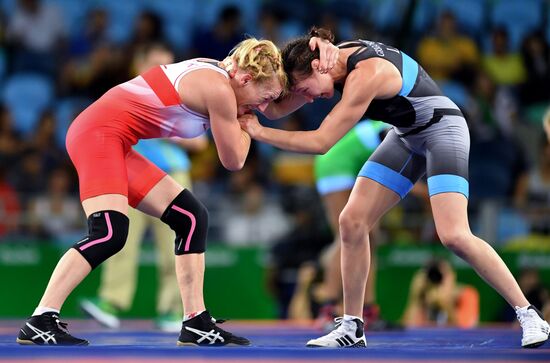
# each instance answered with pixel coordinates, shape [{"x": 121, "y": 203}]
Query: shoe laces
[
  {"x": 62, "y": 326},
  {"x": 217, "y": 328},
  {"x": 342, "y": 327},
  {"x": 528, "y": 320},
  {"x": 218, "y": 321},
  {"x": 57, "y": 325}
]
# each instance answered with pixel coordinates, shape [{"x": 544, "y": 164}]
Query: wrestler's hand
[
  {"x": 328, "y": 53},
  {"x": 250, "y": 124}
]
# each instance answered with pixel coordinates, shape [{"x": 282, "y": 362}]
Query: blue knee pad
[
  {"x": 188, "y": 217},
  {"x": 107, "y": 233}
]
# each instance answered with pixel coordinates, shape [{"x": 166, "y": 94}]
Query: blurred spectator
[
  {"x": 254, "y": 219},
  {"x": 269, "y": 24},
  {"x": 251, "y": 217},
  {"x": 538, "y": 192},
  {"x": 91, "y": 35},
  {"x": 56, "y": 214},
  {"x": 535, "y": 54},
  {"x": 436, "y": 298},
  {"x": 533, "y": 287},
  {"x": 92, "y": 76},
  {"x": 498, "y": 167},
  {"x": 36, "y": 34},
  {"x": 3, "y": 25},
  {"x": 148, "y": 28},
  {"x": 28, "y": 175},
  {"x": 44, "y": 142},
  {"x": 217, "y": 41},
  {"x": 535, "y": 192},
  {"x": 329, "y": 20},
  {"x": 505, "y": 68},
  {"x": 302, "y": 305},
  {"x": 535, "y": 291},
  {"x": 291, "y": 168},
  {"x": 10, "y": 141},
  {"x": 303, "y": 243},
  {"x": 447, "y": 54},
  {"x": 493, "y": 111},
  {"x": 10, "y": 209}
]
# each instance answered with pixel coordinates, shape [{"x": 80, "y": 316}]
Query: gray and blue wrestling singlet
[{"x": 429, "y": 133}]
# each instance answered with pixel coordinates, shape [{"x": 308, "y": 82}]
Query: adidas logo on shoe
[{"x": 348, "y": 334}]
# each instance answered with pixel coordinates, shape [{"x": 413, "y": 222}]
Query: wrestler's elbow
[
  {"x": 233, "y": 162},
  {"x": 322, "y": 145}
]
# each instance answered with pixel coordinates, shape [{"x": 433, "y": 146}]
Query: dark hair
[
  {"x": 297, "y": 56},
  {"x": 433, "y": 272},
  {"x": 230, "y": 13}
]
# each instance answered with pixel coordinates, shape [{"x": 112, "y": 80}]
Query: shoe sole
[
  {"x": 25, "y": 342},
  {"x": 356, "y": 345},
  {"x": 189, "y": 344},
  {"x": 535, "y": 344},
  {"x": 30, "y": 342}
]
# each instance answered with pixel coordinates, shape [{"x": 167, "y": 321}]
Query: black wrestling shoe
[
  {"x": 202, "y": 330},
  {"x": 46, "y": 329}
]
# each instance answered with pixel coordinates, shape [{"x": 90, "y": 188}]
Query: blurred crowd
[{"x": 491, "y": 57}]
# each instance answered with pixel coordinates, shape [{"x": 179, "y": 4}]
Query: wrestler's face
[
  {"x": 316, "y": 85},
  {"x": 254, "y": 95}
]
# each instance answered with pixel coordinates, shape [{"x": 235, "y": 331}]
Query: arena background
[{"x": 57, "y": 66}]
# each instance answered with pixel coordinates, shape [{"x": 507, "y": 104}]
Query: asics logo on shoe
[
  {"x": 211, "y": 336},
  {"x": 46, "y": 336}
]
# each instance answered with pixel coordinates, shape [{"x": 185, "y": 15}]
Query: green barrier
[{"x": 235, "y": 280}]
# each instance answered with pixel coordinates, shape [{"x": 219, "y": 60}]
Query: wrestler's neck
[{"x": 340, "y": 70}]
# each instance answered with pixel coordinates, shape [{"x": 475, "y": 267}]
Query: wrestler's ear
[
  {"x": 245, "y": 79},
  {"x": 315, "y": 64}
]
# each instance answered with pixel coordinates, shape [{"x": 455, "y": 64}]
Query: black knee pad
[
  {"x": 188, "y": 217},
  {"x": 107, "y": 233}
]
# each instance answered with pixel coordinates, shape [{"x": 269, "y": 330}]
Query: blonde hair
[{"x": 261, "y": 58}]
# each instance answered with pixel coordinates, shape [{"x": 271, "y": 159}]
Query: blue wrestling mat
[{"x": 275, "y": 342}]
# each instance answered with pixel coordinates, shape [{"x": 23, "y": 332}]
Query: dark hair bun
[{"x": 322, "y": 33}]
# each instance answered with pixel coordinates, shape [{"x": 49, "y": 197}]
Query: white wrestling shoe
[
  {"x": 535, "y": 328},
  {"x": 348, "y": 334}
]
